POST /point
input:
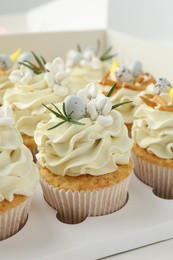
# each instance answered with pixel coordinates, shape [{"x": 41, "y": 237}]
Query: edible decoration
[
  {"x": 38, "y": 66},
  {"x": 131, "y": 77},
  {"x": 124, "y": 74},
  {"x": 5, "y": 62},
  {"x": 136, "y": 68},
  {"x": 162, "y": 86},
  {"x": 115, "y": 64},
  {"x": 57, "y": 76},
  {"x": 14, "y": 56},
  {"x": 87, "y": 103},
  {"x": 23, "y": 75},
  {"x": 162, "y": 99},
  {"x": 88, "y": 57},
  {"x": 26, "y": 56}
]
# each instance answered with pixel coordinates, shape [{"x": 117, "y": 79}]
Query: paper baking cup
[
  {"x": 12, "y": 221},
  {"x": 158, "y": 177},
  {"x": 75, "y": 206}
]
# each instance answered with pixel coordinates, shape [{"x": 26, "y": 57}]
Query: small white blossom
[
  {"x": 99, "y": 109},
  {"x": 73, "y": 58},
  {"x": 88, "y": 93},
  {"x": 57, "y": 76},
  {"x": 90, "y": 60},
  {"x": 23, "y": 75}
]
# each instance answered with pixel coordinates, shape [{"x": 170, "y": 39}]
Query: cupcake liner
[
  {"x": 158, "y": 177},
  {"x": 13, "y": 220},
  {"x": 74, "y": 206}
]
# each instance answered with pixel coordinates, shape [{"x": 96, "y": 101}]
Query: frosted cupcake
[
  {"x": 18, "y": 177},
  {"x": 131, "y": 81},
  {"x": 84, "y": 157},
  {"x": 152, "y": 132},
  {"x": 35, "y": 83},
  {"x": 87, "y": 65}
]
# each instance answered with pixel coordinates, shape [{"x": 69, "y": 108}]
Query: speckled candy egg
[
  {"x": 5, "y": 62},
  {"x": 124, "y": 74},
  {"x": 75, "y": 104},
  {"x": 136, "y": 68},
  {"x": 26, "y": 56},
  {"x": 162, "y": 86}
]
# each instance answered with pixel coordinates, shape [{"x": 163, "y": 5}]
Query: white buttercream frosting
[
  {"x": 18, "y": 173},
  {"x": 4, "y": 85},
  {"x": 79, "y": 149},
  {"x": 153, "y": 130}
]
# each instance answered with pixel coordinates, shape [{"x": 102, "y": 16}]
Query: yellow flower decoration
[{"x": 14, "y": 56}]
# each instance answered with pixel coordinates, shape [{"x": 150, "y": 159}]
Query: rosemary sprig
[
  {"x": 37, "y": 69},
  {"x": 79, "y": 48},
  {"x": 118, "y": 104},
  {"x": 111, "y": 90},
  {"x": 62, "y": 115}
]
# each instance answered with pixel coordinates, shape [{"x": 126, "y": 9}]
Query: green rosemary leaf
[
  {"x": 79, "y": 48},
  {"x": 75, "y": 122},
  {"x": 41, "y": 65},
  {"x": 106, "y": 52},
  {"x": 43, "y": 60},
  {"x": 35, "y": 68},
  {"x": 120, "y": 104},
  {"x": 58, "y": 110},
  {"x": 57, "y": 125},
  {"x": 30, "y": 67},
  {"x": 54, "y": 112},
  {"x": 111, "y": 90},
  {"x": 70, "y": 115},
  {"x": 63, "y": 108},
  {"x": 107, "y": 57}
]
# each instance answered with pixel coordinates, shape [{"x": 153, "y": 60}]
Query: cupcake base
[
  {"x": 74, "y": 206},
  {"x": 13, "y": 215},
  {"x": 153, "y": 171}
]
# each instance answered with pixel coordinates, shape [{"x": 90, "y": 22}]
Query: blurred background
[{"x": 147, "y": 19}]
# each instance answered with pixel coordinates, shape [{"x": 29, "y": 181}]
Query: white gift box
[{"x": 145, "y": 219}]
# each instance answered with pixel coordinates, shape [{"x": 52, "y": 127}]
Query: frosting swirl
[
  {"x": 83, "y": 149},
  {"x": 18, "y": 173},
  {"x": 153, "y": 130}
]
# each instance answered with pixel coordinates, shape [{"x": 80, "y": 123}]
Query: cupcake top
[
  {"x": 18, "y": 173},
  {"x": 153, "y": 126},
  {"x": 130, "y": 77},
  {"x": 88, "y": 65},
  {"x": 85, "y": 135},
  {"x": 131, "y": 82},
  {"x": 36, "y": 83}
]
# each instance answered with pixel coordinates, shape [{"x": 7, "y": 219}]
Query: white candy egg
[
  {"x": 124, "y": 74},
  {"x": 26, "y": 56},
  {"x": 75, "y": 104},
  {"x": 136, "y": 68},
  {"x": 5, "y": 62},
  {"x": 162, "y": 86}
]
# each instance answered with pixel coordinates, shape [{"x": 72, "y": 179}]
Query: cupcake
[
  {"x": 35, "y": 82},
  {"x": 84, "y": 156},
  {"x": 18, "y": 177},
  {"x": 152, "y": 132},
  {"x": 130, "y": 82},
  {"x": 88, "y": 65}
]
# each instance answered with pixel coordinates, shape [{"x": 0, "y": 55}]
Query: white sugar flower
[
  {"x": 90, "y": 60},
  {"x": 23, "y": 75},
  {"x": 57, "y": 76},
  {"x": 88, "y": 93},
  {"x": 99, "y": 109},
  {"x": 73, "y": 58}
]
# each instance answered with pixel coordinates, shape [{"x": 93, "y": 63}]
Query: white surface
[{"x": 143, "y": 220}]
